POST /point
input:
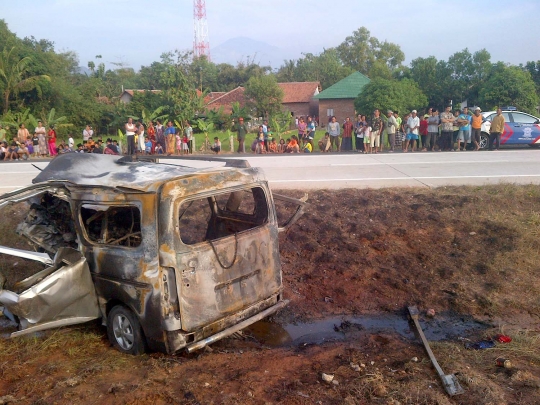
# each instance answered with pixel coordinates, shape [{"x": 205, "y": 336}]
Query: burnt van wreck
[{"x": 169, "y": 257}]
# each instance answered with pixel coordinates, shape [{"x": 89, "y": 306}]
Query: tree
[
  {"x": 534, "y": 69},
  {"x": 360, "y": 51},
  {"x": 384, "y": 94},
  {"x": 180, "y": 96},
  {"x": 14, "y": 75},
  {"x": 510, "y": 85},
  {"x": 325, "y": 68},
  {"x": 264, "y": 94}
]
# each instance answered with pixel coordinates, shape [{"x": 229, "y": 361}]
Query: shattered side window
[
  {"x": 112, "y": 225},
  {"x": 221, "y": 215}
]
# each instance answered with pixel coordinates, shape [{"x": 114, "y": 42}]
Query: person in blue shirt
[
  {"x": 170, "y": 137},
  {"x": 464, "y": 135}
]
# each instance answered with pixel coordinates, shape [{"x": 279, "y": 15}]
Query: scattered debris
[
  {"x": 450, "y": 381},
  {"x": 327, "y": 378},
  {"x": 481, "y": 345},
  {"x": 430, "y": 312},
  {"x": 414, "y": 359},
  {"x": 502, "y": 362},
  {"x": 7, "y": 399},
  {"x": 355, "y": 367},
  {"x": 502, "y": 338}
]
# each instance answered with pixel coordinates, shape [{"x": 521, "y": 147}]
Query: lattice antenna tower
[{"x": 201, "y": 45}]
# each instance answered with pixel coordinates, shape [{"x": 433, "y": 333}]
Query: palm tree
[{"x": 14, "y": 75}]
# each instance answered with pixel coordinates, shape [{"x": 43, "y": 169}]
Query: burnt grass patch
[{"x": 459, "y": 239}]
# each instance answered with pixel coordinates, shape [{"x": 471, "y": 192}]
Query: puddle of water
[{"x": 340, "y": 328}]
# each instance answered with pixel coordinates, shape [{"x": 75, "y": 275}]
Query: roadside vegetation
[{"x": 39, "y": 82}]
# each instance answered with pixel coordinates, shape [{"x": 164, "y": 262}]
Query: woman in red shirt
[
  {"x": 51, "y": 135},
  {"x": 151, "y": 131}
]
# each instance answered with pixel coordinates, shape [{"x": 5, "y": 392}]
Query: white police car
[{"x": 519, "y": 128}]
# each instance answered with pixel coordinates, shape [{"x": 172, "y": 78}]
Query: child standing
[
  {"x": 367, "y": 140},
  {"x": 185, "y": 145},
  {"x": 178, "y": 143}
]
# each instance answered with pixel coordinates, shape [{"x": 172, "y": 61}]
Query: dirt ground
[{"x": 470, "y": 253}]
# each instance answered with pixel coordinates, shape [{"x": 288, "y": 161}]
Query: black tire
[
  {"x": 484, "y": 141},
  {"x": 124, "y": 331}
]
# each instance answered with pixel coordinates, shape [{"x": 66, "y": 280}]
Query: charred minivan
[{"x": 168, "y": 256}]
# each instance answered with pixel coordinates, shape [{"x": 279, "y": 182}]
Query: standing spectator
[
  {"x": 311, "y": 131},
  {"x": 424, "y": 132},
  {"x": 334, "y": 131},
  {"x": 399, "y": 129},
  {"x": 391, "y": 127},
  {"x": 71, "y": 142},
  {"x": 348, "y": 127},
  {"x": 265, "y": 134},
  {"x": 160, "y": 136},
  {"x": 496, "y": 130},
  {"x": 433, "y": 129},
  {"x": 188, "y": 132},
  {"x": 51, "y": 135},
  {"x": 151, "y": 132},
  {"x": 185, "y": 145},
  {"x": 447, "y": 129},
  {"x": 359, "y": 134},
  {"x": 476, "y": 124},
  {"x": 302, "y": 130},
  {"x": 241, "y": 129},
  {"x": 130, "y": 136},
  {"x": 413, "y": 125},
  {"x": 377, "y": 126},
  {"x": 35, "y": 145},
  {"x": 464, "y": 134},
  {"x": 141, "y": 137},
  {"x": 455, "y": 128},
  {"x": 367, "y": 139},
  {"x": 87, "y": 133},
  {"x": 23, "y": 134},
  {"x": 170, "y": 137}
]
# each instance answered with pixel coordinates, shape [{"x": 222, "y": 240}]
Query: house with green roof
[{"x": 338, "y": 99}]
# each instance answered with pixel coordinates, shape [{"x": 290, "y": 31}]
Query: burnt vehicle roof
[{"x": 88, "y": 169}]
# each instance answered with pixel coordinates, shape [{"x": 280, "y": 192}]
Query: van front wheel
[{"x": 124, "y": 331}]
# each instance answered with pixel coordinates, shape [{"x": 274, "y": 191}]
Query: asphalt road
[{"x": 334, "y": 171}]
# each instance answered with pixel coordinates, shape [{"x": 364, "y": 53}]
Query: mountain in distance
[{"x": 242, "y": 49}]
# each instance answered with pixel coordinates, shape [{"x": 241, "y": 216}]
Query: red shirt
[
  {"x": 347, "y": 129},
  {"x": 423, "y": 127}
]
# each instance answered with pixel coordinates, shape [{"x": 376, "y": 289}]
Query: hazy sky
[{"x": 136, "y": 32}]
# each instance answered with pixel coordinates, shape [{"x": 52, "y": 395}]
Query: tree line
[{"x": 38, "y": 82}]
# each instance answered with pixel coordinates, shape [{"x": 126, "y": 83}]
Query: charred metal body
[{"x": 191, "y": 253}]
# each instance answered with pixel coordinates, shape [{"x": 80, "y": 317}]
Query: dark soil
[{"x": 471, "y": 254}]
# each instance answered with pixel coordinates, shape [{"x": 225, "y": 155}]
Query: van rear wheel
[{"x": 124, "y": 331}]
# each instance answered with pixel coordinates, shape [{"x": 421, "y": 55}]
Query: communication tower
[{"x": 201, "y": 46}]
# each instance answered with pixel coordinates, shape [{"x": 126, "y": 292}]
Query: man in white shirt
[{"x": 413, "y": 124}]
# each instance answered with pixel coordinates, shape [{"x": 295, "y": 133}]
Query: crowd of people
[
  {"x": 158, "y": 139},
  {"x": 433, "y": 131},
  {"x": 447, "y": 131},
  {"x": 450, "y": 130}
]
